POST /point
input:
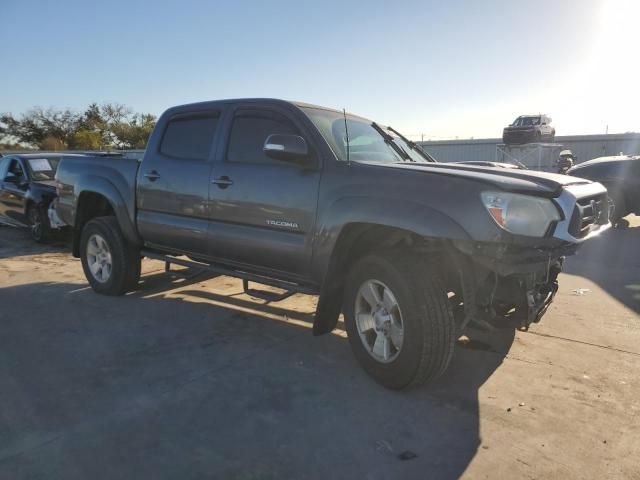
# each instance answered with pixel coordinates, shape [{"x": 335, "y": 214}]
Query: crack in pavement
[{"x": 582, "y": 342}]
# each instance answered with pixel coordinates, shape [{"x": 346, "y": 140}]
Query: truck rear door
[
  {"x": 173, "y": 183},
  {"x": 262, "y": 210}
]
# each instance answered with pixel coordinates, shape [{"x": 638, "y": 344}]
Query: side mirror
[
  {"x": 288, "y": 148},
  {"x": 12, "y": 179}
]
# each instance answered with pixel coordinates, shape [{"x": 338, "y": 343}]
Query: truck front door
[
  {"x": 262, "y": 210},
  {"x": 173, "y": 183},
  {"x": 13, "y": 191}
]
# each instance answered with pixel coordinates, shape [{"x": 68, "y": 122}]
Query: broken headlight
[{"x": 521, "y": 214}]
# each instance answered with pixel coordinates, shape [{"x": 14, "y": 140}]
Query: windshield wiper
[
  {"x": 388, "y": 139},
  {"x": 414, "y": 146}
]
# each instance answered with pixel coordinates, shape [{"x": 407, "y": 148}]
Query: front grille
[
  {"x": 518, "y": 136},
  {"x": 588, "y": 214}
]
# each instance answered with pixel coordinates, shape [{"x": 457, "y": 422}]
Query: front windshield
[
  {"x": 42, "y": 169},
  {"x": 526, "y": 121},
  {"x": 366, "y": 142}
]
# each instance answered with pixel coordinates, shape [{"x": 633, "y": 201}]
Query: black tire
[
  {"x": 429, "y": 326},
  {"x": 619, "y": 206},
  {"x": 125, "y": 258},
  {"x": 38, "y": 224}
]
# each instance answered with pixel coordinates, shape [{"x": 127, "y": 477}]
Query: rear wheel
[
  {"x": 110, "y": 263},
  {"x": 38, "y": 224},
  {"x": 399, "y": 322}
]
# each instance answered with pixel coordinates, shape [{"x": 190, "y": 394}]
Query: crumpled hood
[{"x": 512, "y": 180}]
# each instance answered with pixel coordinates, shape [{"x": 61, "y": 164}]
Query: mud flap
[{"x": 328, "y": 310}]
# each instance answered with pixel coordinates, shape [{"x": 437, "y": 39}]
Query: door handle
[
  {"x": 222, "y": 182},
  {"x": 152, "y": 175}
]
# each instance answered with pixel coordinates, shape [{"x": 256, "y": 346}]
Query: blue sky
[{"x": 442, "y": 69}]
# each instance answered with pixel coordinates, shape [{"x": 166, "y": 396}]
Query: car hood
[
  {"x": 604, "y": 160},
  {"x": 45, "y": 185},
  {"x": 512, "y": 180}
]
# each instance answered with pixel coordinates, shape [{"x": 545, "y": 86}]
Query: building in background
[{"x": 585, "y": 147}]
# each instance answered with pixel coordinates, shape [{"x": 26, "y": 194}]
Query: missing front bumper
[{"x": 505, "y": 292}]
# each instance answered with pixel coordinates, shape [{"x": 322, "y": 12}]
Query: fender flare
[
  {"x": 121, "y": 208},
  {"x": 413, "y": 217}
]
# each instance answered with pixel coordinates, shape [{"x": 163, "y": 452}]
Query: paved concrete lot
[{"x": 190, "y": 378}]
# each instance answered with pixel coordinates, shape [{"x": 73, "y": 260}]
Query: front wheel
[
  {"x": 110, "y": 263},
  {"x": 38, "y": 224},
  {"x": 398, "y": 319}
]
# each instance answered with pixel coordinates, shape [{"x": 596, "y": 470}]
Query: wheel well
[
  {"x": 90, "y": 205},
  {"x": 358, "y": 240},
  {"x": 355, "y": 241}
]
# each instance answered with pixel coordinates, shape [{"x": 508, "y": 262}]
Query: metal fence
[{"x": 586, "y": 147}]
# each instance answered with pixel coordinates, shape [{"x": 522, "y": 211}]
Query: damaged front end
[
  {"x": 514, "y": 279},
  {"x": 503, "y": 286}
]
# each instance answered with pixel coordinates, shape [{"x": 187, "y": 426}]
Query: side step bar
[
  {"x": 289, "y": 287},
  {"x": 265, "y": 295}
]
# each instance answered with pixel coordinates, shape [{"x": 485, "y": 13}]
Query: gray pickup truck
[{"x": 313, "y": 200}]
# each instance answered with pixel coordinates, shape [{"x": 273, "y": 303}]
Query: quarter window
[
  {"x": 189, "y": 137},
  {"x": 249, "y": 131}
]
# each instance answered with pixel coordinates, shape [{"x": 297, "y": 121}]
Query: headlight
[{"x": 521, "y": 214}]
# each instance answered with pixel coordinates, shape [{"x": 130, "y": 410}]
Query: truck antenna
[{"x": 346, "y": 131}]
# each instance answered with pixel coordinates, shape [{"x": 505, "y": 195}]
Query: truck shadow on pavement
[
  {"x": 612, "y": 260},
  {"x": 194, "y": 383}
]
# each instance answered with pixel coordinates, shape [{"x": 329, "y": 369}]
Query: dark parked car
[
  {"x": 26, "y": 190},
  {"x": 311, "y": 200},
  {"x": 621, "y": 176},
  {"x": 529, "y": 129}
]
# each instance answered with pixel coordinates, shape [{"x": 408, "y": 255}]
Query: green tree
[
  {"x": 86, "y": 140},
  {"x": 41, "y": 127},
  {"x": 111, "y": 125}
]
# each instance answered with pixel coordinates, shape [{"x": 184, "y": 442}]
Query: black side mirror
[
  {"x": 288, "y": 148},
  {"x": 12, "y": 179}
]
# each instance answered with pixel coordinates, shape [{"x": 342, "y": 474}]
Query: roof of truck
[{"x": 264, "y": 100}]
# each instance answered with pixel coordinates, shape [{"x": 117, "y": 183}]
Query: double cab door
[{"x": 217, "y": 196}]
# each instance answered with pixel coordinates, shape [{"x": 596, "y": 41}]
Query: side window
[
  {"x": 249, "y": 131},
  {"x": 15, "y": 169},
  {"x": 189, "y": 137}
]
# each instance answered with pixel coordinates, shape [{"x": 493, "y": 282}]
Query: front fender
[
  {"x": 401, "y": 214},
  {"x": 406, "y": 215},
  {"x": 40, "y": 198}
]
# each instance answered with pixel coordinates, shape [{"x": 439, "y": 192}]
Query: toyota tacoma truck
[{"x": 314, "y": 200}]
